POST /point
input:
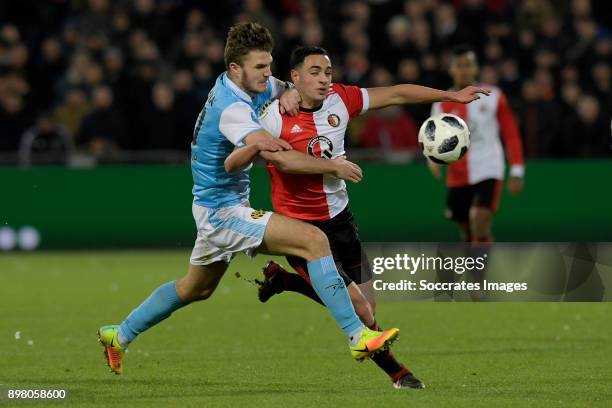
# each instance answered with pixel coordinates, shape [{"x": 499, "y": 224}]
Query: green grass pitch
[{"x": 233, "y": 351}]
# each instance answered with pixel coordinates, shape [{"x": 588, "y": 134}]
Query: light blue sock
[
  {"x": 331, "y": 289},
  {"x": 162, "y": 302}
]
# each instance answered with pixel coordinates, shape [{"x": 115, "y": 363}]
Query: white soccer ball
[{"x": 444, "y": 138}]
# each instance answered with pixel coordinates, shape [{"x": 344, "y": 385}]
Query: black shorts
[
  {"x": 460, "y": 199},
  {"x": 351, "y": 260}
]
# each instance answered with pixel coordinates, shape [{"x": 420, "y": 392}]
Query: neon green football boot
[
  {"x": 371, "y": 341},
  {"x": 113, "y": 352}
]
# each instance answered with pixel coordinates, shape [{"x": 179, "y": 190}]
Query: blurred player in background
[
  {"x": 226, "y": 223},
  {"x": 319, "y": 130},
  {"x": 474, "y": 182}
]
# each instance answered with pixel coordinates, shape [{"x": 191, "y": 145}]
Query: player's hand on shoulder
[
  {"x": 289, "y": 102},
  {"x": 469, "y": 94},
  {"x": 515, "y": 185},
  {"x": 347, "y": 170}
]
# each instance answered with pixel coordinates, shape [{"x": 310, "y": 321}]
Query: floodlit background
[
  {"x": 98, "y": 100},
  {"x": 108, "y": 91}
]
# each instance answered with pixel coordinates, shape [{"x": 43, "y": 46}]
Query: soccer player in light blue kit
[{"x": 226, "y": 223}]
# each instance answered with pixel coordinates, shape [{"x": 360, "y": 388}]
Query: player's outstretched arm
[
  {"x": 295, "y": 162},
  {"x": 407, "y": 93},
  {"x": 279, "y": 153}
]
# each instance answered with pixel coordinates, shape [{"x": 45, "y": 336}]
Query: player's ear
[
  {"x": 234, "y": 68},
  {"x": 295, "y": 75}
]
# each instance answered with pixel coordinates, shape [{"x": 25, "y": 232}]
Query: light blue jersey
[{"x": 228, "y": 116}]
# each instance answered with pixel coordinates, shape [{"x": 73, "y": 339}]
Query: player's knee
[
  {"x": 204, "y": 294},
  {"x": 315, "y": 243},
  {"x": 480, "y": 214},
  {"x": 190, "y": 292},
  {"x": 198, "y": 295}
]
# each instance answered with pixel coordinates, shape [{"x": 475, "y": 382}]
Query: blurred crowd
[{"x": 104, "y": 77}]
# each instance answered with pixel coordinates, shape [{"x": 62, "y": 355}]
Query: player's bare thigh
[
  {"x": 288, "y": 236},
  {"x": 200, "y": 281}
]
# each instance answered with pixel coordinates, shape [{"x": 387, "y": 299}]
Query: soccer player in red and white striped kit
[
  {"x": 321, "y": 199},
  {"x": 474, "y": 182}
]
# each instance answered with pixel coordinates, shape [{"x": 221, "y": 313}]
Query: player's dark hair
[
  {"x": 461, "y": 50},
  {"x": 245, "y": 37},
  {"x": 299, "y": 54}
]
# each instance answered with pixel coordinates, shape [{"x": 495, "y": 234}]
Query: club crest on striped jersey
[
  {"x": 257, "y": 214},
  {"x": 320, "y": 146},
  {"x": 333, "y": 120}
]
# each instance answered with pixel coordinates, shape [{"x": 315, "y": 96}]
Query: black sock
[
  {"x": 387, "y": 361},
  {"x": 295, "y": 283}
]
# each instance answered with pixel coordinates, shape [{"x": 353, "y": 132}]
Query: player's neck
[{"x": 310, "y": 105}]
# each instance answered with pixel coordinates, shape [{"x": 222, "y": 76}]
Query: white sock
[
  {"x": 354, "y": 336},
  {"x": 122, "y": 340}
]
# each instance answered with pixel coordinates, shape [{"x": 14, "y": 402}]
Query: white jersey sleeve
[
  {"x": 237, "y": 121},
  {"x": 366, "y": 101},
  {"x": 436, "y": 108},
  {"x": 278, "y": 87},
  {"x": 271, "y": 119}
]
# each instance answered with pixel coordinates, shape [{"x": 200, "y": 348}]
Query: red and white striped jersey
[
  {"x": 318, "y": 133},
  {"x": 487, "y": 118}
]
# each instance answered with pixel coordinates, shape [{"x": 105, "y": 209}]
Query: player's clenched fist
[{"x": 347, "y": 170}]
